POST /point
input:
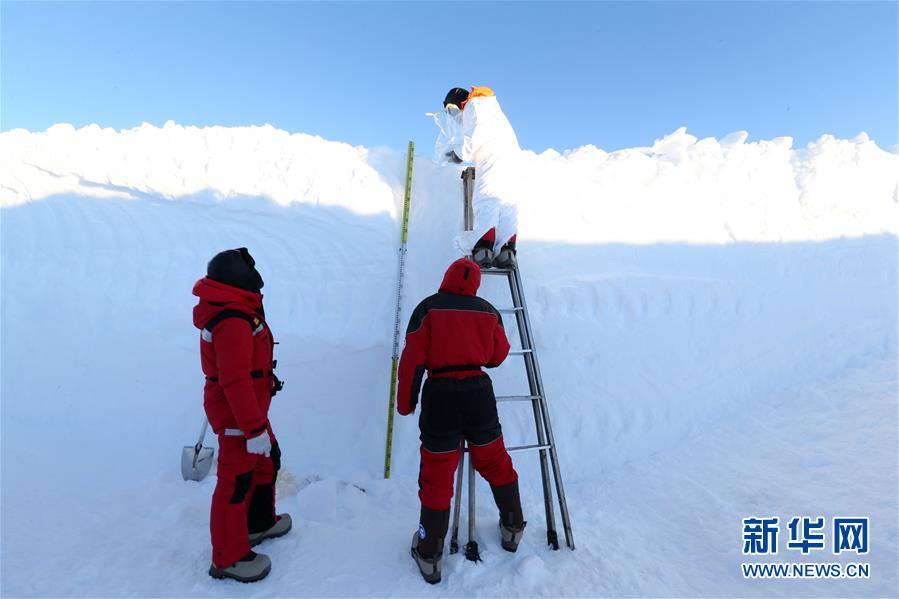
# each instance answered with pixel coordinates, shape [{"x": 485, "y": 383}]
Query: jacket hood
[
  {"x": 463, "y": 277},
  {"x": 477, "y": 92},
  {"x": 215, "y": 297}
]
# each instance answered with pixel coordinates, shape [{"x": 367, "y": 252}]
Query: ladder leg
[
  {"x": 557, "y": 476},
  {"x": 552, "y": 537},
  {"x": 471, "y": 548},
  {"x": 457, "y": 504},
  {"x": 563, "y": 504}
]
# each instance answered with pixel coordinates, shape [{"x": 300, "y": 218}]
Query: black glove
[
  {"x": 453, "y": 157},
  {"x": 277, "y": 384}
]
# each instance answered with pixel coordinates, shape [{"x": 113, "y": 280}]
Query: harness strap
[
  {"x": 459, "y": 368},
  {"x": 257, "y": 325},
  {"x": 256, "y": 374},
  {"x": 255, "y": 322}
]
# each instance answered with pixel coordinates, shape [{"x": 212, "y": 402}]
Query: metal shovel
[{"x": 196, "y": 460}]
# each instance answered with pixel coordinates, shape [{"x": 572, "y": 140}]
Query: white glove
[{"x": 260, "y": 444}]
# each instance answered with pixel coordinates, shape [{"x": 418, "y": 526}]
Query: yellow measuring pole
[{"x": 396, "y": 322}]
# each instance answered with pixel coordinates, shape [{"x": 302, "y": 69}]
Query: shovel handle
[
  {"x": 199, "y": 444},
  {"x": 202, "y": 435}
]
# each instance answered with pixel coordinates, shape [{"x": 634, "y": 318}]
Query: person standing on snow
[
  {"x": 452, "y": 335},
  {"x": 474, "y": 129},
  {"x": 236, "y": 354}
]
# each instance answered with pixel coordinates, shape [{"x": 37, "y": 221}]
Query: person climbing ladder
[{"x": 474, "y": 129}]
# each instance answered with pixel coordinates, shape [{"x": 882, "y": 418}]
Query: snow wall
[
  {"x": 671, "y": 288},
  {"x": 668, "y": 285}
]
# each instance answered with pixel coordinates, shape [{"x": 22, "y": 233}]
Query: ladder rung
[
  {"x": 517, "y": 397},
  {"x": 495, "y": 271},
  {"x": 520, "y": 352},
  {"x": 510, "y": 310},
  {"x": 527, "y": 448}
]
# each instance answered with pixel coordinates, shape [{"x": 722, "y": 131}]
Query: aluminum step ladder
[{"x": 545, "y": 444}]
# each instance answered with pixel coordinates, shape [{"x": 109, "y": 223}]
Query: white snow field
[{"x": 716, "y": 323}]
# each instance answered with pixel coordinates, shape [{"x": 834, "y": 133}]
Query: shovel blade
[{"x": 195, "y": 464}]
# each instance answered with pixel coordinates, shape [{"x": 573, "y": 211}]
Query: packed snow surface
[{"x": 715, "y": 320}]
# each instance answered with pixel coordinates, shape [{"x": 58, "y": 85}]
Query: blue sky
[{"x": 567, "y": 74}]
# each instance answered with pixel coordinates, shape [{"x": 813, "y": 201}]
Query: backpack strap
[{"x": 256, "y": 323}]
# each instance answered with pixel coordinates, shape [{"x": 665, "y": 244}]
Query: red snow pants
[
  {"x": 244, "y": 497},
  {"x": 453, "y": 409}
]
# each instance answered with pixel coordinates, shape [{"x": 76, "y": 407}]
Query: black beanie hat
[
  {"x": 456, "y": 96},
  {"x": 235, "y": 268}
]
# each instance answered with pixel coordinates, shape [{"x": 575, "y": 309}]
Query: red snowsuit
[
  {"x": 236, "y": 357},
  {"x": 452, "y": 334}
]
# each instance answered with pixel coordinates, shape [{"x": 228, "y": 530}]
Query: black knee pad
[
  {"x": 242, "y": 485},
  {"x": 260, "y": 514},
  {"x": 276, "y": 457}
]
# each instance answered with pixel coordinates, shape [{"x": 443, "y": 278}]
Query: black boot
[
  {"x": 511, "y": 519},
  {"x": 507, "y": 255},
  {"x": 427, "y": 543},
  {"x": 433, "y": 524},
  {"x": 482, "y": 253}
]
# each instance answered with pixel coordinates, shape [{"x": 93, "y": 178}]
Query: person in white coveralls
[{"x": 474, "y": 129}]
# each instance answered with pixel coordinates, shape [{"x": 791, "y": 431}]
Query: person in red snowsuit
[
  {"x": 236, "y": 355},
  {"x": 451, "y": 336}
]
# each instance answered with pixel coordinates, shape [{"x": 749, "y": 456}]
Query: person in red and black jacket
[
  {"x": 451, "y": 336},
  {"x": 236, "y": 354}
]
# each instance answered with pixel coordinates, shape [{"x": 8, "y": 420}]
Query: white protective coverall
[{"x": 481, "y": 134}]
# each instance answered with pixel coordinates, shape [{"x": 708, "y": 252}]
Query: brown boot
[
  {"x": 429, "y": 567},
  {"x": 506, "y": 258},
  {"x": 482, "y": 254},
  {"x": 250, "y": 568},
  {"x": 511, "y": 519},
  {"x": 427, "y": 543}
]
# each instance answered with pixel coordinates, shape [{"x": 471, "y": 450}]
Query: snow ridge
[{"x": 681, "y": 189}]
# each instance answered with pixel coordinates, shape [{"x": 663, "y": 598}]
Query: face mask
[{"x": 257, "y": 281}]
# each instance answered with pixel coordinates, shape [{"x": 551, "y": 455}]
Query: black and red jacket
[
  {"x": 236, "y": 357},
  {"x": 452, "y": 333}
]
